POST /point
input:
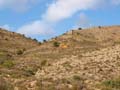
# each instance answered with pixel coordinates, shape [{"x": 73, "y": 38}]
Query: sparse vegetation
[{"x": 111, "y": 84}]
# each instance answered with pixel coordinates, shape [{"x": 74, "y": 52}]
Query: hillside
[
  {"x": 86, "y": 59},
  {"x": 12, "y": 44},
  {"x": 11, "y": 41}
]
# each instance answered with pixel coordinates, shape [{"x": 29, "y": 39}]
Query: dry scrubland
[{"x": 86, "y": 59}]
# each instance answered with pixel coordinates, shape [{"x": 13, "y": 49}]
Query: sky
[{"x": 44, "y": 19}]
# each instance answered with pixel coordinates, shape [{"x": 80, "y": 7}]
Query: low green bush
[
  {"x": 44, "y": 41},
  {"x": 20, "y": 52},
  {"x": 29, "y": 72},
  {"x": 56, "y": 44},
  {"x": 76, "y": 77},
  {"x": 111, "y": 84},
  {"x": 43, "y": 63},
  {"x": 8, "y": 63}
]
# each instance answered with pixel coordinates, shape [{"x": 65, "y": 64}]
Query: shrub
[
  {"x": 112, "y": 83},
  {"x": 23, "y": 35},
  {"x": 24, "y": 49},
  {"x": 99, "y": 27},
  {"x": 6, "y": 39},
  {"x": 44, "y": 62},
  {"x": 8, "y": 55},
  {"x": 4, "y": 57},
  {"x": 8, "y": 63},
  {"x": 29, "y": 72},
  {"x": 79, "y": 28},
  {"x": 56, "y": 44},
  {"x": 39, "y": 43},
  {"x": 35, "y": 40},
  {"x": 20, "y": 52},
  {"x": 76, "y": 77},
  {"x": 44, "y": 41}
]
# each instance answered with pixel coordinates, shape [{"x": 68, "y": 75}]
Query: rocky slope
[{"x": 92, "y": 68}]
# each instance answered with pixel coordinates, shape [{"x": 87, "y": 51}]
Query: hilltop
[
  {"x": 83, "y": 59},
  {"x": 12, "y": 40}
]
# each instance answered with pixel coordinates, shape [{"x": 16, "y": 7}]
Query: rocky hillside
[
  {"x": 87, "y": 59},
  {"x": 90, "y": 69}
]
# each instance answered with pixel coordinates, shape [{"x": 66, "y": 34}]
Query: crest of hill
[
  {"x": 107, "y": 35},
  {"x": 97, "y": 36},
  {"x": 11, "y": 41},
  {"x": 75, "y": 42}
]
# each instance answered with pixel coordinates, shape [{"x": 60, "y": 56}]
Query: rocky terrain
[
  {"x": 92, "y": 68},
  {"x": 87, "y": 59}
]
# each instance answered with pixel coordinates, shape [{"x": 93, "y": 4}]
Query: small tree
[
  {"x": 6, "y": 39},
  {"x": 56, "y": 44},
  {"x": 39, "y": 43},
  {"x": 35, "y": 40},
  {"x": 99, "y": 27},
  {"x": 23, "y": 35},
  {"x": 44, "y": 62},
  {"x": 79, "y": 28},
  {"x": 44, "y": 41}
]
